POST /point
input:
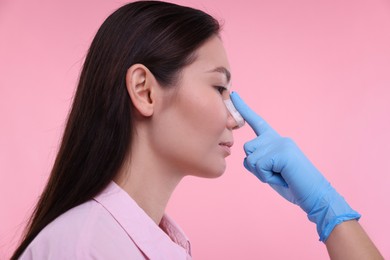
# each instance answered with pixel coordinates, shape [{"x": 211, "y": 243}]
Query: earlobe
[{"x": 140, "y": 85}]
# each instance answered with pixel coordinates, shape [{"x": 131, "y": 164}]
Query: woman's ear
[{"x": 141, "y": 84}]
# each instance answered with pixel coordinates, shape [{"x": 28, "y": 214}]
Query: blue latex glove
[{"x": 279, "y": 162}]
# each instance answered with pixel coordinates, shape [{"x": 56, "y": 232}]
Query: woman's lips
[{"x": 226, "y": 147}]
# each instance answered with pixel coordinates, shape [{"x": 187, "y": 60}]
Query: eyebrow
[{"x": 222, "y": 70}]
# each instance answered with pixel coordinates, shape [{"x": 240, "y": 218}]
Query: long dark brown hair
[{"x": 99, "y": 130}]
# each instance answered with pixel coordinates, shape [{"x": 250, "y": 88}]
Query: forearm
[{"x": 348, "y": 240}]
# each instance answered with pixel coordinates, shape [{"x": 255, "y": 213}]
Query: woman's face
[{"x": 189, "y": 131}]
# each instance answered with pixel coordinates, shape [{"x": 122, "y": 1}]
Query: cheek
[
  {"x": 193, "y": 120},
  {"x": 208, "y": 115},
  {"x": 187, "y": 135}
]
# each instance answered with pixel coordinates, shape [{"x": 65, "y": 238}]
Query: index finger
[{"x": 257, "y": 123}]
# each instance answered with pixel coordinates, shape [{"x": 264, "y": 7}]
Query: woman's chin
[{"x": 210, "y": 173}]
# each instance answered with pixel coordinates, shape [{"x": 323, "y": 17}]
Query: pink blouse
[{"x": 111, "y": 226}]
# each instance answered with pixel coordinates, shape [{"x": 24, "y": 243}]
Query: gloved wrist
[{"x": 329, "y": 211}]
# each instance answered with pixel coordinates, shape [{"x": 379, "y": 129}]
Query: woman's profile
[{"x": 149, "y": 110}]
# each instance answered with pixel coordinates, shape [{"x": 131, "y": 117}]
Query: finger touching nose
[{"x": 258, "y": 124}]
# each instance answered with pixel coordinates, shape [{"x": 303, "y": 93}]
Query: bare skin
[{"x": 348, "y": 240}]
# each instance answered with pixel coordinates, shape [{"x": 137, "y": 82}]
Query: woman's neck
[{"x": 148, "y": 180}]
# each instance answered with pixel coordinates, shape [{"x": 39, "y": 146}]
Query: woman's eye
[{"x": 221, "y": 89}]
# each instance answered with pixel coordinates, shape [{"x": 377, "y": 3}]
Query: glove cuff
[{"x": 329, "y": 211}]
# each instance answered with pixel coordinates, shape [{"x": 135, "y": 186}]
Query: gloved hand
[{"x": 279, "y": 162}]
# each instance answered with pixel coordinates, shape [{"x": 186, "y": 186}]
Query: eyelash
[{"x": 221, "y": 89}]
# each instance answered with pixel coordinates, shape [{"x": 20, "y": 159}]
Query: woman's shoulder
[{"x": 85, "y": 231}]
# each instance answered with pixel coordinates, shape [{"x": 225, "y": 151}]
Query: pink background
[{"x": 318, "y": 71}]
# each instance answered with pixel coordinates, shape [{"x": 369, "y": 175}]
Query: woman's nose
[
  {"x": 231, "y": 123},
  {"x": 235, "y": 120}
]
